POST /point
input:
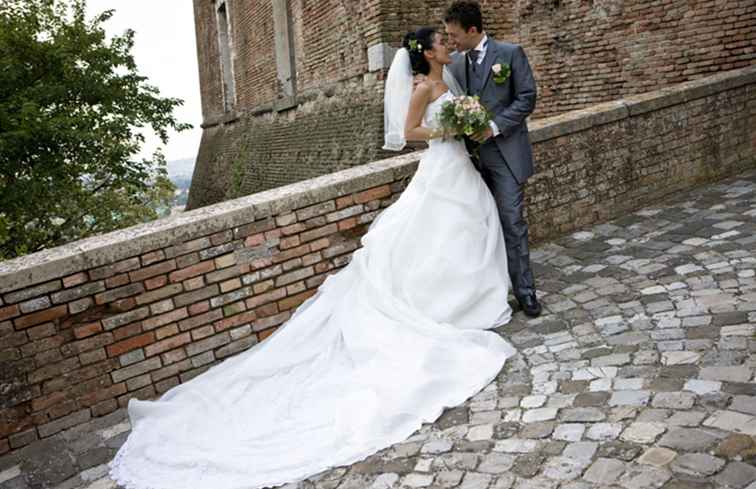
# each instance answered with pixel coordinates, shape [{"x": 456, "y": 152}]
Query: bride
[{"x": 382, "y": 347}]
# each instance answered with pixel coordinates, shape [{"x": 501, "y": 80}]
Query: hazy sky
[{"x": 165, "y": 52}]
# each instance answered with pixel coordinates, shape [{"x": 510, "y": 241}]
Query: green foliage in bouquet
[{"x": 464, "y": 116}]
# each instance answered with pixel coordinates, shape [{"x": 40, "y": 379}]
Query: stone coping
[{"x": 100, "y": 250}]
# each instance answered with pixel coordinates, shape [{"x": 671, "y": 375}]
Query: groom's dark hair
[{"x": 466, "y": 14}]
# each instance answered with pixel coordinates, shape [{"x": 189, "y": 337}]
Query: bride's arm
[{"x": 413, "y": 131}]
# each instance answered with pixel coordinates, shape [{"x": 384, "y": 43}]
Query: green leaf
[{"x": 71, "y": 105}]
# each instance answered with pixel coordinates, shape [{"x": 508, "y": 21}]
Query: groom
[{"x": 499, "y": 73}]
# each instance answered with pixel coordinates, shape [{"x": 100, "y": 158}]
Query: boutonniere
[{"x": 501, "y": 72}]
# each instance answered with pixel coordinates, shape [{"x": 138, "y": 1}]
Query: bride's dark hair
[{"x": 423, "y": 41}]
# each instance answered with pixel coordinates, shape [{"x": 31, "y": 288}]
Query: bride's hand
[{"x": 443, "y": 134}]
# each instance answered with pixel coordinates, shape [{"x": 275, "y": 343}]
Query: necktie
[{"x": 472, "y": 55}]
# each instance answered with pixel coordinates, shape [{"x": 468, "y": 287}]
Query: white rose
[{"x": 496, "y": 68}]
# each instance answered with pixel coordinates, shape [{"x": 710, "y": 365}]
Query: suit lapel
[
  {"x": 488, "y": 61},
  {"x": 460, "y": 73}
]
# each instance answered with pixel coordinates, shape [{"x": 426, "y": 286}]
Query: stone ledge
[{"x": 581, "y": 120}]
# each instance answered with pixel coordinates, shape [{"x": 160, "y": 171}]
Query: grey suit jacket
[{"x": 510, "y": 103}]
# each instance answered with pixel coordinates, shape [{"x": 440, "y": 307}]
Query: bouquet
[{"x": 464, "y": 116}]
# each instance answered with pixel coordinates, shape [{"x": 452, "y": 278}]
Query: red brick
[
  {"x": 105, "y": 407},
  {"x": 264, "y": 334},
  {"x": 234, "y": 321},
  {"x": 201, "y": 320},
  {"x": 267, "y": 310},
  {"x": 163, "y": 319},
  {"x": 44, "y": 402},
  {"x": 289, "y": 242},
  {"x": 87, "y": 330},
  {"x": 127, "y": 331},
  {"x": 152, "y": 257},
  {"x": 203, "y": 332},
  {"x": 345, "y": 201},
  {"x": 167, "y": 344},
  {"x": 273, "y": 234},
  {"x": 266, "y": 297},
  {"x": 192, "y": 271},
  {"x": 153, "y": 270},
  {"x": 50, "y": 314},
  {"x": 262, "y": 287},
  {"x": 320, "y": 244},
  {"x": 293, "y": 229},
  {"x": 348, "y": 223},
  {"x": 155, "y": 282},
  {"x": 173, "y": 356},
  {"x": 166, "y": 331},
  {"x": 199, "y": 308},
  {"x": 372, "y": 194},
  {"x": 41, "y": 331},
  {"x": 294, "y": 301},
  {"x": 254, "y": 240},
  {"x": 123, "y": 305},
  {"x": 230, "y": 285},
  {"x": 110, "y": 392},
  {"x": 194, "y": 283},
  {"x": 117, "y": 281},
  {"x": 130, "y": 344},
  {"x": 320, "y": 232},
  {"x": 292, "y": 253},
  {"x": 75, "y": 279},
  {"x": 9, "y": 312}
]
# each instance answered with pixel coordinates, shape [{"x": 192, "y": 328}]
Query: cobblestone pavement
[{"x": 639, "y": 374}]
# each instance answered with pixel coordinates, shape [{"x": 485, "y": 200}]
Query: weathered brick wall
[
  {"x": 338, "y": 120},
  {"x": 582, "y": 53},
  {"x": 639, "y": 149},
  {"x": 90, "y": 325},
  {"x": 586, "y": 52},
  {"x": 330, "y": 39},
  {"x": 211, "y": 85},
  {"x": 398, "y": 17},
  {"x": 338, "y": 128},
  {"x": 254, "y": 64}
]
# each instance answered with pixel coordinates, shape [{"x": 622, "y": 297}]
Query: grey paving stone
[
  {"x": 604, "y": 471},
  {"x": 697, "y": 464}
]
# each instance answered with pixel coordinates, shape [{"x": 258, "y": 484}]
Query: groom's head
[{"x": 464, "y": 25}]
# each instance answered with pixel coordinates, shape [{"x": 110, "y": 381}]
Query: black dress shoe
[{"x": 530, "y": 305}]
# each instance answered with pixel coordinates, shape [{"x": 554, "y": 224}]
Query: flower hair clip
[{"x": 415, "y": 46}]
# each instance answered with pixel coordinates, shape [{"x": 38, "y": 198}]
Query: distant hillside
[
  {"x": 183, "y": 167},
  {"x": 180, "y": 173}
]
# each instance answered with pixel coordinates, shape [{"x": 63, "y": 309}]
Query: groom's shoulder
[{"x": 507, "y": 46}]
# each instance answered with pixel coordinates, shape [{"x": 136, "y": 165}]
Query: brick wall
[
  {"x": 90, "y": 325},
  {"x": 582, "y": 53},
  {"x": 586, "y": 52},
  {"x": 211, "y": 85},
  {"x": 254, "y": 64}
]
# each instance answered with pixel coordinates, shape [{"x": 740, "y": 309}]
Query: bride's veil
[
  {"x": 397, "y": 95},
  {"x": 396, "y": 100},
  {"x": 454, "y": 87}
]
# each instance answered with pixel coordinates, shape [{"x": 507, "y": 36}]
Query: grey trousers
[{"x": 510, "y": 199}]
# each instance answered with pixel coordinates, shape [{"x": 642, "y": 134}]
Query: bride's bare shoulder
[{"x": 423, "y": 89}]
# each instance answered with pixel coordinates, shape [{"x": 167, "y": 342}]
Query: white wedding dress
[{"x": 383, "y": 346}]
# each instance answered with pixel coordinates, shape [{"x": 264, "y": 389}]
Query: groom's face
[{"x": 459, "y": 38}]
